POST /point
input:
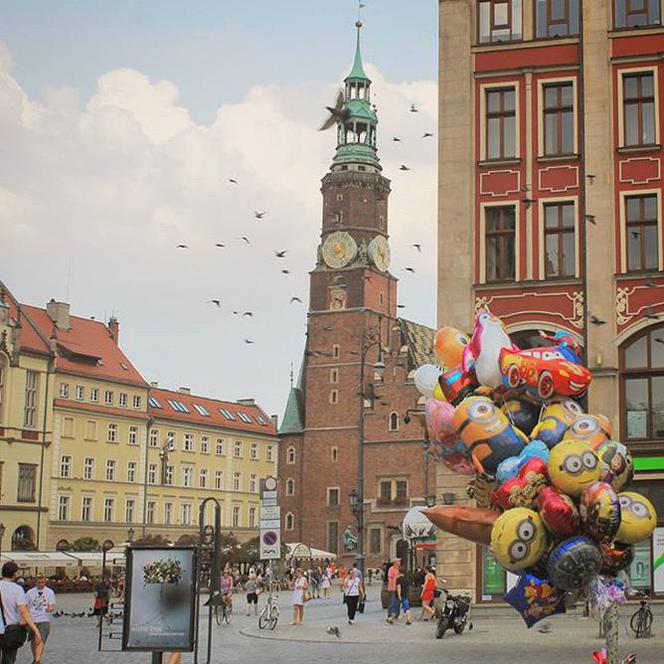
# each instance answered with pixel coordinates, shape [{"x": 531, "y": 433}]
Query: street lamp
[
  {"x": 130, "y": 535},
  {"x": 2, "y": 534}
]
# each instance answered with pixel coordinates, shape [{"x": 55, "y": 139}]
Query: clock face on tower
[
  {"x": 339, "y": 249},
  {"x": 379, "y": 253}
]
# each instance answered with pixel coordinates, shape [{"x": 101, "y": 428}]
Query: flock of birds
[{"x": 337, "y": 113}]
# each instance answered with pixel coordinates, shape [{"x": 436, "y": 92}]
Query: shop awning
[
  {"x": 301, "y": 550},
  {"x": 39, "y": 559},
  {"x": 94, "y": 558}
]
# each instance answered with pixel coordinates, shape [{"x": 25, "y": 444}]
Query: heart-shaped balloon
[
  {"x": 438, "y": 416},
  {"x": 600, "y": 511},
  {"x": 616, "y": 556},
  {"x": 558, "y": 512},
  {"x": 522, "y": 490},
  {"x": 444, "y": 443}
]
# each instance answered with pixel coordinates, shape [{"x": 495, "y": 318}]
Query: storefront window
[
  {"x": 639, "y": 570},
  {"x": 493, "y": 575}
]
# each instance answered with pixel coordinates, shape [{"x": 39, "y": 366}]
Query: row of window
[
  {"x": 502, "y": 20},
  {"x": 641, "y": 238},
  {"x": 94, "y": 394},
  {"x": 181, "y": 407},
  {"x": 186, "y": 512},
  {"x": 638, "y": 118},
  {"x": 390, "y": 492},
  {"x": 187, "y": 474}
]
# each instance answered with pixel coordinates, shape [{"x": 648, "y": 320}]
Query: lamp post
[
  {"x": 370, "y": 338},
  {"x": 130, "y": 535},
  {"x": 2, "y": 534}
]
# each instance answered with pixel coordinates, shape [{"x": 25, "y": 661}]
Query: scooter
[{"x": 454, "y": 612}]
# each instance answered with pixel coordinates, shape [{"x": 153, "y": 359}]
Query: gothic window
[
  {"x": 394, "y": 422},
  {"x": 334, "y": 397},
  {"x": 334, "y": 454},
  {"x": 557, "y": 18},
  {"x": 290, "y": 456},
  {"x": 290, "y": 521},
  {"x": 290, "y": 487}
]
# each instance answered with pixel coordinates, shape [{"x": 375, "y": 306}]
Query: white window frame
[
  {"x": 168, "y": 513},
  {"x": 253, "y": 451},
  {"x": 187, "y": 476},
  {"x": 338, "y": 490},
  {"x": 131, "y": 471},
  {"x": 623, "y": 225},
  {"x": 238, "y": 449},
  {"x": 153, "y": 471},
  {"x": 64, "y": 507},
  {"x": 112, "y": 433},
  {"x": 186, "y": 512},
  {"x": 94, "y": 394},
  {"x": 237, "y": 480},
  {"x": 89, "y": 468},
  {"x": 109, "y": 509},
  {"x": 154, "y": 437},
  {"x": 541, "y": 84},
  {"x": 620, "y": 74},
  {"x": 110, "y": 470},
  {"x": 80, "y": 392},
  {"x": 291, "y": 456},
  {"x": 290, "y": 487},
  {"x": 65, "y": 465},
  {"x": 205, "y": 444},
  {"x": 132, "y": 436},
  {"x": 484, "y": 206},
  {"x": 130, "y": 510},
  {"x": 188, "y": 442},
  {"x": 541, "y": 204},
  {"x": 389, "y": 421},
  {"x": 253, "y": 483},
  {"x": 252, "y": 516},
  {"x": 64, "y": 390},
  {"x": 219, "y": 480},
  {"x": 269, "y": 453},
  {"x": 150, "y": 512},
  {"x": 108, "y": 397},
  {"x": 122, "y": 399},
  {"x": 87, "y": 508},
  {"x": 499, "y": 85},
  {"x": 236, "y": 516},
  {"x": 136, "y": 401},
  {"x": 202, "y": 478},
  {"x": 219, "y": 448},
  {"x": 289, "y": 521}
]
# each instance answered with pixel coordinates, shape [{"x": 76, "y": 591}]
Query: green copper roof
[
  {"x": 358, "y": 70},
  {"x": 360, "y": 110},
  {"x": 293, "y": 421}
]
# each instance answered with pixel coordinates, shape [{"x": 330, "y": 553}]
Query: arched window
[
  {"x": 23, "y": 539},
  {"x": 642, "y": 386},
  {"x": 290, "y": 487},
  {"x": 290, "y": 456},
  {"x": 290, "y": 521},
  {"x": 3, "y": 380},
  {"x": 334, "y": 454},
  {"x": 394, "y": 422}
]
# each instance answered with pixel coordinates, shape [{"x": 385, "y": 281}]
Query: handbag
[
  {"x": 360, "y": 606},
  {"x": 306, "y": 595},
  {"x": 15, "y": 635}
]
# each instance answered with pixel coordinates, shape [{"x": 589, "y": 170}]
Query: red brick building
[
  {"x": 550, "y": 202},
  {"x": 353, "y": 323}
]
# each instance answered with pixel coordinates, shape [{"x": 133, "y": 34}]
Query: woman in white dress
[
  {"x": 300, "y": 584},
  {"x": 325, "y": 583}
]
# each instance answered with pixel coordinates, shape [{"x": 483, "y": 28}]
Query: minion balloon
[
  {"x": 557, "y": 417},
  {"x": 487, "y": 433},
  {"x": 573, "y": 466},
  {"x": 638, "y": 518},
  {"x": 518, "y": 538},
  {"x": 593, "y": 429}
]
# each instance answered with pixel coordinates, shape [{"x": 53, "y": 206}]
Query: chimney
[
  {"x": 246, "y": 402},
  {"x": 275, "y": 421},
  {"x": 184, "y": 390},
  {"x": 58, "y": 312},
  {"x": 114, "y": 328}
]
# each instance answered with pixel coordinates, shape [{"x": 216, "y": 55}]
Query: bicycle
[
  {"x": 269, "y": 615},
  {"x": 641, "y": 622},
  {"x": 223, "y": 612}
]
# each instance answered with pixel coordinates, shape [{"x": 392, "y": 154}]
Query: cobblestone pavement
[{"x": 494, "y": 640}]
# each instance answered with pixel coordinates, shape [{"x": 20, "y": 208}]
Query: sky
[{"x": 120, "y": 125}]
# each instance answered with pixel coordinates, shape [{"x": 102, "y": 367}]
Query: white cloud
[
  {"x": 107, "y": 187},
  {"x": 6, "y": 60}
]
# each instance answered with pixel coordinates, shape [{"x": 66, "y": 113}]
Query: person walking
[
  {"x": 326, "y": 583},
  {"x": 15, "y": 617},
  {"x": 428, "y": 595},
  {"x": 393, "y": 574},
  {"x": 352, "y": 594},
  {"x": 403, "y": 590},
  {"x": 300, "y": 585},
  {"x": 101, "y": 590},
  {"x": 251, "y": 588},
  {"x": 41, "y": 604}
]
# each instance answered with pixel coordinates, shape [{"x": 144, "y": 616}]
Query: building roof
[
  {"x": 193, "y": 409},
  {"x": 357, "y": 72},
  {"x": 419, "y": 339},
  {"x": 87, "y": 348},
  {"x": 293, "y": 421},
  {"x": 31, "y": 338}
]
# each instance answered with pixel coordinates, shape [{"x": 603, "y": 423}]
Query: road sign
[
  {"x": 270, "y": 512},
  {"x": 269, "y": 524},
  {"x": 268, "y": 494},
  {"x": 270, "y": 544},
  {"x": 269, "y": 484},
  {"x": 269, "y": 502}
]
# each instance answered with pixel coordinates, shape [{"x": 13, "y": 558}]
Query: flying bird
[
  {"x": 219, "y": 244},
  {"x": 182, "y": 246},
  {"x": 334, "y": 631},
  {"x": 404, "y": 168},
  {"x": 414, "y": 109},
  {"x": 337, "y": 113},
  {"x": 217, "y": 302},
  {"x": 232, "y": 181},
  {"x": 245, "y": 239},
  {"x": 259, "y": 215},
  {"x": 427, "y": 134},
  {"x": 418, "y": 247},
  {"x": 248, "y": 341},
  {"x": 410, "y": 269},
  {"x": 236, "y": 313},
  {"x": 396, "y": 139},
  {"x": 285, "y": 272},
  {"x": 596, "y": 321},
  {"x": 248, "y": 314},
  {"x": 295, "y": 299},
  {"x": 281, "y": 254},
  {"x": 401, "y": 306}
]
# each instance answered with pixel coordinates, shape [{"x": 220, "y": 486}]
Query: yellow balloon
[
  {"x": 438, "y": 393},
  {"x": 573, "y": 466},
  {"x": 594, "y": 429},
  {"x": 518, "y": 538},
  {"x": 638, "y": 518}
]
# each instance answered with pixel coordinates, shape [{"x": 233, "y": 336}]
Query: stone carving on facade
[
  {"x": 482, "y": 303},
  {"x": 622, "y": 305},
  {"x": 363, "y": 253},
  {"x": 577, "y": 309}
]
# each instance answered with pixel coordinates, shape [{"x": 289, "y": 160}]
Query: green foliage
[
  {"x": 86, "y": 544},
  {"x": 152, "y": 540}
]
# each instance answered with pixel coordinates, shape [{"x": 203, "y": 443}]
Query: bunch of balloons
[{"x": 560, "y": 514}]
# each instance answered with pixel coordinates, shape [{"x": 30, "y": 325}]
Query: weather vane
[{"x": 360, "y": 7}]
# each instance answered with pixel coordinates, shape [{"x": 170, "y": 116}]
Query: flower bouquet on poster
[
  {"x": 551, "y": 481},
  {"x": 165, "y": 570}
]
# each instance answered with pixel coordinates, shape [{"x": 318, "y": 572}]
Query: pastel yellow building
[{"x": 106, "y": 453}]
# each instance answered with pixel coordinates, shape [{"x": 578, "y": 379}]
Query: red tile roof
[
  {"x": 31, "y": 339},
  {"x": 211, "y": 406}
]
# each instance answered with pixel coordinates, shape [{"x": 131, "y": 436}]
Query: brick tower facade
[{"x": 355, "y": 381}]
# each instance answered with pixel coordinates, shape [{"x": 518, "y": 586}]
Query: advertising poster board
[
  {"x": 160, "y": 599},
  {"x": 658, "y": 560}
]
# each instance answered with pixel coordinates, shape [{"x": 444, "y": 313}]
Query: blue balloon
[
  {"x": 574, "y": 563},
  {"x": 535, "y": 598},
  {"x": 511, "y": 466}
]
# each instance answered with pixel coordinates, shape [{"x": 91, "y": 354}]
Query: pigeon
[
  {"x": 410, "y": 269},
  {"x": 285, "y": 272},
  {"x": 596, "y": 321},
  {"x": 334, "y": 631},
  {"x": 545, "y": 628},
  {"x": 248, "y": 314},
  {"x": 232, "y": 181},
  {"x": 259, "y": 215},
  {"x": 635, "y": 234},
  {"x": 401, "y": 306},
  {"x": 427, "y": 134},
  {"x": 295, "y": 299},
  {"x": 650, "y": 313},
  {"x": 236, "y": 313},
  {"x": 396, "y": 139},
  {"x": 217, "y": 302},
  {"x": 245, "y": 239},
  {"x": 591, "y": 219},
  {"x": 414, "y": 109},
  {"x": 337, "y": 114},
  {"x": 404, "y": 168},
  {"x": 281, "y": 254},
  {"x": 248, "y": 341},
  {"x": 182, "y": 246},
  {"x": 418, "y": 247},
  {"x": 220, "y": 244}
]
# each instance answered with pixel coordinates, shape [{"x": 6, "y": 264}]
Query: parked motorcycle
[{"x": 453, "y": 612}]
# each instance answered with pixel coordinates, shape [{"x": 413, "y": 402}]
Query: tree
[
  {"x": 85, "y": 544},
  {"x": 152, "y": 540}
]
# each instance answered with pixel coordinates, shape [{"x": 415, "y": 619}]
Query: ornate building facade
[
  {"x": 346, "y": 436},
  {"x": 550, "y": 203}
]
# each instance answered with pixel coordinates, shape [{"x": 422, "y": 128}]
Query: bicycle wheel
[
  {"x": 228, "y": 614},
  {"x": 274, "y": 617},
  {"x": 263, "y": 620},
  {"x": 217, "y": 614},
  {"x": 646, "y": 623}
]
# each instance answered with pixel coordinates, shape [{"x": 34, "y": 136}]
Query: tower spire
[{"x": 358, "y": 69}]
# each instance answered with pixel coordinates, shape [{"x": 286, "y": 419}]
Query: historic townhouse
[{"x": 550, "y": 206}]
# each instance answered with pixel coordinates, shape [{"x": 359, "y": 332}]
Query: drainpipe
[
  {"x": 145, "y": 474},
  {"x": 49, "y": 371}
]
